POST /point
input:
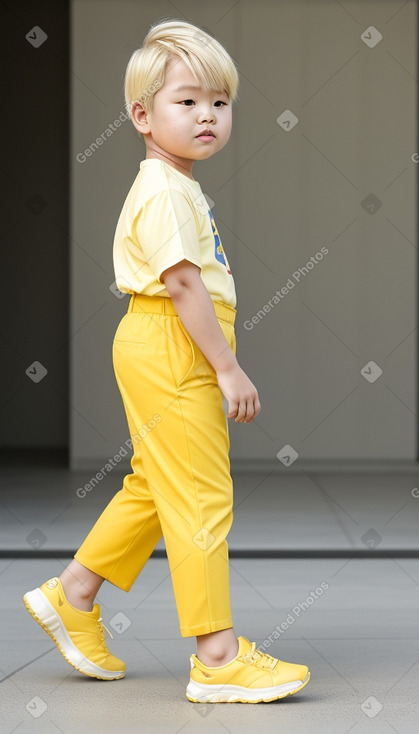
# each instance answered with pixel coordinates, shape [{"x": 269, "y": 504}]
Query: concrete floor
[{"x": 360, "y": 638}]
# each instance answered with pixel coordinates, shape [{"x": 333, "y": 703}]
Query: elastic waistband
[{"x": 164, "y": 304}]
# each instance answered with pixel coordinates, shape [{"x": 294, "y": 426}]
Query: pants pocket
[
  {"x": 198, "y": 365},
  {"x": 130, "y": 330},
  {"x": 182, "y": 353}
]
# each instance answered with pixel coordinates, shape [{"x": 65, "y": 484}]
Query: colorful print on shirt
[{"x": 219, "y": 251}]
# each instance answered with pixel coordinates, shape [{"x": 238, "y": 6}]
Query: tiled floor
[{"x": 360, "y": 637}]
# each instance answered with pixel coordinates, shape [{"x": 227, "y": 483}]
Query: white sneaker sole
[
  {"x": 47, "y": 617},
  {"x": 202, "y": 693}
]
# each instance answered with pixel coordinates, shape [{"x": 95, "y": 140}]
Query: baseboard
[
  {"x": 274, "y": 466},
  {"x": 241, "y": 553}
]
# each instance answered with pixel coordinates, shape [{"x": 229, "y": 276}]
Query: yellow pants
[{"x": 180, "y": 486}]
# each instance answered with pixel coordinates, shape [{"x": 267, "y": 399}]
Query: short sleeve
[{"x": 166, "y": 231}]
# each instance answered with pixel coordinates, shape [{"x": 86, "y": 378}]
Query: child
[{"x": 174, "y": 359}]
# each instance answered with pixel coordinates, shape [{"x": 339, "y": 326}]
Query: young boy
[{"x": 174, "y": 359}]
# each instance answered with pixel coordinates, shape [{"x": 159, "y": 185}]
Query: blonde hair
[{"x": 209, "y": 62}]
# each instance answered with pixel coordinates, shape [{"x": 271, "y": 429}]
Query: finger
[
  {"x": 232, "y": 409},
  {"x": 252, "y": 411},
  {"x": 241, "y": 413}
]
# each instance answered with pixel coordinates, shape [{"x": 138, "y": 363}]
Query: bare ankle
[
  {"x": 215, "y": 662},
  {"x": 217, "y": 648},
  {"x": 77, "y": 596},
  {"x": 80, "y": 585}
]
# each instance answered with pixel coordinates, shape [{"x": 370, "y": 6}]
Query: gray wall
[{"x": 342, "y": 179}]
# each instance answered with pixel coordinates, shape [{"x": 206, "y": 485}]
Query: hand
[{"x": 241, "y": 394}]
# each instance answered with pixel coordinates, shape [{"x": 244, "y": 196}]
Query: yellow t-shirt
[{"x": 166, "y": 219}]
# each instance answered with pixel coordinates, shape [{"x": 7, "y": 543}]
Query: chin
[{"x": 204, "y": 154}]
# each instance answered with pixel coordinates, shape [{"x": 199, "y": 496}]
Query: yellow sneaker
[
  {"x": 250, "y": 677},
  {"x": 78, "y": 635}
]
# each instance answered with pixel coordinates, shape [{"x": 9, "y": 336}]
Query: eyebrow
[
  {"x": 185, "y": 86},
  {"x": 191, "y": 86}
]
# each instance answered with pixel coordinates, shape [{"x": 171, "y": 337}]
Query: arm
[
  {"x": 196, "y": 311},
  {"x": 194, "y": 306}
]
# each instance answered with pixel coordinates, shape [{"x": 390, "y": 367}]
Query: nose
[{"x": 207, "y": 116}]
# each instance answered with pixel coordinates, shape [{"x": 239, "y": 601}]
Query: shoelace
[
  {"x": 261, "y": 659},
  {"x": 101, "y": 633}
]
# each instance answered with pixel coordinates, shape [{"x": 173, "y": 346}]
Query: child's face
[{"x": 177, "y": 119}]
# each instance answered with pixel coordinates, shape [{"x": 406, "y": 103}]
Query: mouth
[{"x": 206, "y": 134}]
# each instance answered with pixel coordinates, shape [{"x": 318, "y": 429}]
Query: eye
[{"x": 219, "y": 101}]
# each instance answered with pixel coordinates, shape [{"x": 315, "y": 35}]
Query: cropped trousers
[{"x": 180, "y": 486}]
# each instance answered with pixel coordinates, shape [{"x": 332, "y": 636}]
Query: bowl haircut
[{"x": 209, "y": 62}]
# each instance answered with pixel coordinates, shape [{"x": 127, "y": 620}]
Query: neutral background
[{"x": 280, "y": 196}]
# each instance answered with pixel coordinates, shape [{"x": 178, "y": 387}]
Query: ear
[{"x": 139, "y": 118}]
